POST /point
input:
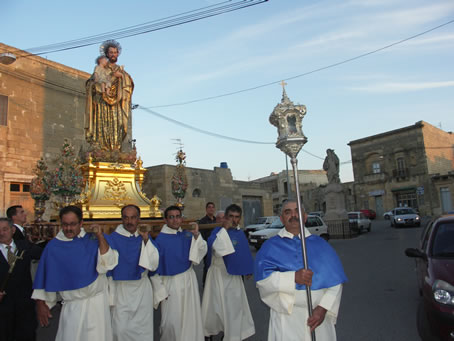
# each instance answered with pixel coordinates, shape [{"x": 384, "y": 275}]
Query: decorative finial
[{"x": 284, "y": 94}]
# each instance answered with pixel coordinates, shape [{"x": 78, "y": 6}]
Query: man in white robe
[
  {"x": 131, "y": 292},
  {"x": 74, "y": 266},
  {"x": 225, "y": 306},
  {"x": 281, "y": 281},
  {"x": 181, "y": 318}
]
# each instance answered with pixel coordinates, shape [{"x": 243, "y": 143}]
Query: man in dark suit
[
  {"x": 18, "y": 216},
  {"x": 17, "y": 309}
]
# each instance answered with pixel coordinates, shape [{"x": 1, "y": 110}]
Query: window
[
  {"x": 401, "y": 167},
  {"x": 3, "y": 110},
  {"x": 376, "y": 168},
  {"x": 14, "y": 187},
  {"x": 196, "y": 193},
  {"x": 18, "y": 187}
]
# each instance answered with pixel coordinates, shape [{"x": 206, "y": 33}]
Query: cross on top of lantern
[{"x": 288, "y": 118}]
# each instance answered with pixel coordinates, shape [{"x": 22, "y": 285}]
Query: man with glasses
[
  {"x": 74, "y": 265},
  {"x": 179, "y": 249}
]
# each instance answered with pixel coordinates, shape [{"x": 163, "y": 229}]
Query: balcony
[
  {"x": 401, "y": 174},
  {"x": 375, "y": 177}
]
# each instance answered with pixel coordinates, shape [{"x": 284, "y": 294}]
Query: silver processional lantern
[{"x": 288, "y": 118}]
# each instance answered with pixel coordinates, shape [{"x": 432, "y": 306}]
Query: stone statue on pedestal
[
  {"x": 334, "y": 197},
  {"x": 331, "y": 166}
]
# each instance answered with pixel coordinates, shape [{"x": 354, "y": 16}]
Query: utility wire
[
  {"x": 155, "y": 25},
  {"x": 305, "y": 73},
  {"x": 206, "y": 132}
]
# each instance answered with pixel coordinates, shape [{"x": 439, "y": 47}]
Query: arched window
[{"x": 196, "y": 193}]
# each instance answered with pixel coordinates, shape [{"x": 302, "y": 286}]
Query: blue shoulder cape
[
  {"x": 128, "y": 248},
  {"x": 238, "y": 263},
  {"x": 173, "y": 253},
  {"x": 284, "y": 254},
  {"x": 67, "y": 265}
]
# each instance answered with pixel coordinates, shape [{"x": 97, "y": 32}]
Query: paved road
[{"x": 379, "y": 301}]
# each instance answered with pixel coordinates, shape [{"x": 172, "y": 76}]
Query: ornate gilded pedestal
[{"x": 110, "y": 186}]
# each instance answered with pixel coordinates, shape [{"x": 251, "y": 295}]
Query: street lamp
[{"x": 288, "y": 118}]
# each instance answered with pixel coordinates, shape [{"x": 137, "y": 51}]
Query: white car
[
  {"x": 405, "y": 216},
  {"x": 388, "y": 215},
  {"x": 314, "y": 224},
  {"x": 262, "y": 222},
  {"x": 359, "y": 221}
]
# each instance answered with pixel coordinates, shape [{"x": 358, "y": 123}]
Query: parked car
[
  {"x": 435, "y": 275},
  {"x": 370, "y": 214},
  {"x": 314, "y": 224},
  {"x": 405, "y": 216},
  {"x": 359, "y": 221},
  {"x": 388, "y": 215},
  {"x": 320, "y": 214},
  {"x": 262, "y": 222}
]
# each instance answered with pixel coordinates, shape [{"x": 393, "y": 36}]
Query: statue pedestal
[
  {"x": 335, "y": 203},
  {"x": 336, "y": 217},
  {"x": 110, "y": 186}
]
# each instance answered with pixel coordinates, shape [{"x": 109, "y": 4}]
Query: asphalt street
[{"x": 378, "y": 303}]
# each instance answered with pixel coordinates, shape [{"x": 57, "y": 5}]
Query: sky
[{"x": 279, "y": 39}]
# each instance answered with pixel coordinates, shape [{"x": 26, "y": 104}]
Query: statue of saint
[
  {"x": 331, "y": 166},
  {"x": 108, "y": 108}
]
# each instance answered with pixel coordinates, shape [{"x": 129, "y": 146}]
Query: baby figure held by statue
[{"x": 102, "y": 75}]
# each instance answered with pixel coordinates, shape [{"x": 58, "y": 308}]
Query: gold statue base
[{"x": 110, "y": 186}]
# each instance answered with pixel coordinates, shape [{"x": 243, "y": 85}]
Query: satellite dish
[{"x": 7, "y": 58}]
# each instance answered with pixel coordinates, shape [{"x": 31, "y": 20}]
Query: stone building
[
  {"x": 206, "y": 185},
  {"x": 410, "y": 166},
  {"x": 309, "y": 182},
  {"x": 41, "y": 103}
]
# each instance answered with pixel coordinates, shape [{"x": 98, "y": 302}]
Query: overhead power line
[
  {"x": 155, "y": 25},
  {"x": 345, "y": 61},
  {"x": 206, "y": 132}
]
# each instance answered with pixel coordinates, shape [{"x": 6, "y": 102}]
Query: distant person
[
  {"x": 74, "y": 266},
  {"x": 209, "y": 218},
  {"x": 220, "y": 217},
  {"x": 17, "y": 214},
  {"x": 225, "y": 305},
  {"x": 282, "y": 279},
  {"x": 178, "y": 250},
  {"x": 131, "y": 289},
  {"x": 17, "y": 309}
]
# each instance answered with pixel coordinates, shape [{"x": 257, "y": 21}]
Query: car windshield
[
  {"x": 277, "y": 224},
  {"x": 353, "y": 216},
  {"x": 402, "y": 211},
  {"x": 313, "y": 222},
  {"x": 443, "y": 244},
  {"x": 261, "y": 220}
]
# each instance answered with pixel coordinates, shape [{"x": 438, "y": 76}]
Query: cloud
[
  {"x": 416, "y": 16},
  {"x": 393, "y": 87}
]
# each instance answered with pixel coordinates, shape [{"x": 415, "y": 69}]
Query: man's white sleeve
[
  {"x": 159, "y": 290},
  {"x": 331, "y": 300},
  {"x": 149, "y": 256},
  {"x": 222, "y": 245},
  {"x": 198, "y": 249},
  {"x": 49, "y": 297},
  {"x": 278, "y": 291},
  {"x": 107, "y": 261}
]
